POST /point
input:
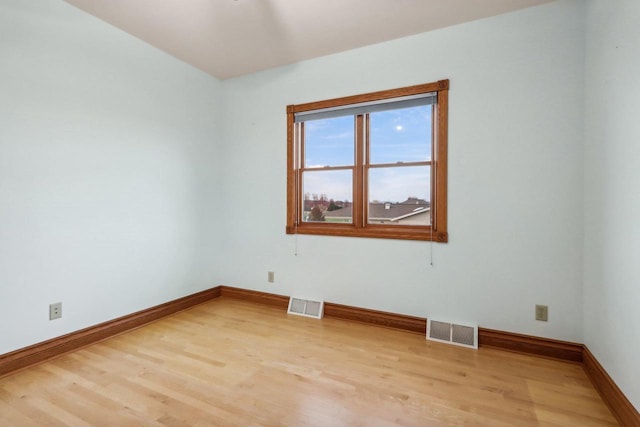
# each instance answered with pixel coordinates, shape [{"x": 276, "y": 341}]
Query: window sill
[{"x": 399, "y": 232}]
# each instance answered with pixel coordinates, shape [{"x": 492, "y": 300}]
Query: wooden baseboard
[
  {"x": 545, "y": 347},
  {"x": 273, "y": 300},
  {"x": 338, "y": 311},
  {"x": 375, "y": 317},
  {"x": 620, "y": 406},
  {"x": 24, "y": 357}
]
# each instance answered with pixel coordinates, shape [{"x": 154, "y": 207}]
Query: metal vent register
[
  {"x": 308, "y": 308},
  {"x": 453, "y": 333}
]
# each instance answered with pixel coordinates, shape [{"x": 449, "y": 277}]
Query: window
[{"x": 372, "y": 165}]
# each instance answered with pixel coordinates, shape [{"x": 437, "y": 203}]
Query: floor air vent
[
  {"x": 308, "y": 308},
  {"x": 452, "y": 333}
]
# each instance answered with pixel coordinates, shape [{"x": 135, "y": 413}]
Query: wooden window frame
[{"x": 437, "y": 231}]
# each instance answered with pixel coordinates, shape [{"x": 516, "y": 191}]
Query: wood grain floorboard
[{"x": 235, "y": 363}]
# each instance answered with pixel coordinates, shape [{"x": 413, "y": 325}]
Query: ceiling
[{"x": 229, "y": 38}]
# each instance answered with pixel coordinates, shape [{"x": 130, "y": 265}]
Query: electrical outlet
[
  {"x": 542, "y": 312},
  {"x": 270, "y": 277},
  {"x": 55, "y": 311}
]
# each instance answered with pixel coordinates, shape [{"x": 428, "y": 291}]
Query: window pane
[
  {"x": 400, "y": 195},
  {"x": 402, "y": 135},
  {"x": 329, "y": 142},
  {"x": 327, "y": 196}
]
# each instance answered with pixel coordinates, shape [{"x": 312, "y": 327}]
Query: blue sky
[{"x": 401, "y": 135}]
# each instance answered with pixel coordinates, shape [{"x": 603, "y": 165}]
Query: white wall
[
  {"x": 515, "y": 177},
  {"x": 612, "y": 191},
  {"x": 108, "y": 173}
]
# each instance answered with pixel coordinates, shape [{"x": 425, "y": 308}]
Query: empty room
[{"x": 319, "y": 213}]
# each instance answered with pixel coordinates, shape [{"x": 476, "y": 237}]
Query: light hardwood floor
[{"x": 234, "y": 363}]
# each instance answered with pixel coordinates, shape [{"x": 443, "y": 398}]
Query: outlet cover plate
[
  {"x": 542, "y": 313},
  {"x": 55, "y": 311}
]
